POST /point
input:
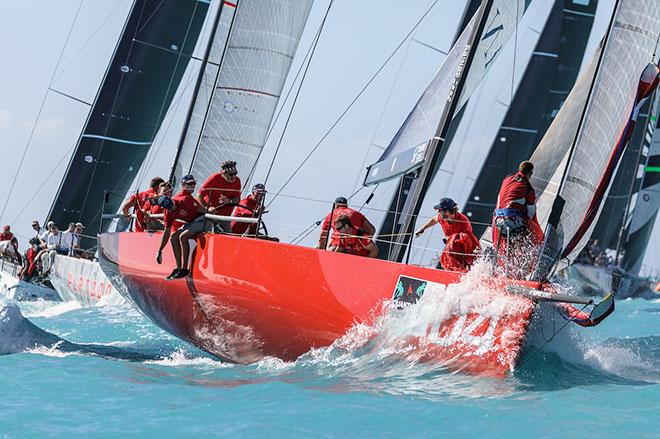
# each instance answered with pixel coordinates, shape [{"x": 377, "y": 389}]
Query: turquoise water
[{"x": 108, "y": 371}]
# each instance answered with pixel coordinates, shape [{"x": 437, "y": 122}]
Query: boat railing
[{"x": 305, "y": 230}]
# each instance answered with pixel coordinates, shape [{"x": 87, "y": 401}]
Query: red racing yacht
[{"x": 246, "y": 299}]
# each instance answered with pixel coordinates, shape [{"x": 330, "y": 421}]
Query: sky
[{"x": 65, "y": 45}]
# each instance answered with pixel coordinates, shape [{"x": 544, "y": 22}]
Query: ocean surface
[{"x": 107, "y": 371}]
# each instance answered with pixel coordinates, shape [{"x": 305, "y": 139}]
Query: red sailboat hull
[{"x": 247, "y": 299}]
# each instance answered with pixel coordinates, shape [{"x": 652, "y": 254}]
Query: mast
[
  {"x": 425, "y": 174},
  {"x": 198, "y": 83}
]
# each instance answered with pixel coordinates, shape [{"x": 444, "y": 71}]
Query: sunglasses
[{"x": 342, "y": 227}]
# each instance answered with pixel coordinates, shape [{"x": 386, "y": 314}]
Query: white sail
[
  {"x": 252, "y": 52},
  {"x": 580, "y": 149}
]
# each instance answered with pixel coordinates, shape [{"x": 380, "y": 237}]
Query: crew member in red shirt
[
  {"x": 349, "y": 239},
  {"x": 138, "y": 201},
  {"x": 186, "y": 208},
  {"x": 250, "y": 207},
  {"x": 221, "y": 192},
  {"x": 340, "y": 207},
  {"x": 460, "y": 241},
  {"x": 515, "y": 222}
]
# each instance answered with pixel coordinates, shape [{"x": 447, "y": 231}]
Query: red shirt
[
  {"x": 458, "y": 253},
  {"x": 516, "y": 193},
  {"x": 241, "y": 212},
  {"x": 31, "y": 255},
  {"x": 354, "y": 245},
  {"x": 461, "y": 224},
  {"x": 216, "y": 186},
  {"x": 140, "y": 202},
  {"x": 357, "y": 219},
  {"x": 6, "y": 236},
  {"x": 185, "y": 208}
]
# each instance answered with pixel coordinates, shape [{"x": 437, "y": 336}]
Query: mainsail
[
  {"x": 241, "y": 84},
  {"x": 146, "y": 68},
  {"x": 547, "y": 81},
  {"x": 646, "y": 207},
  {"x": 580, "y": 150}
]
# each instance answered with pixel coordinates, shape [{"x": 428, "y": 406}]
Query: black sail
[
  {"x": 150, "y": 59},
  {"x": 548, "y": 79}
]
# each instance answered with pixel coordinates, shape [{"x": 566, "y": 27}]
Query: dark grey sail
[
  {"x": 645, "y": 210},
  {"x": 150, "y": 59},
  {"x": 548, "y": 78}
]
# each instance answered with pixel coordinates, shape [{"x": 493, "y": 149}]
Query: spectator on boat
[
  {"x": 40, "y": 232},
  {"x": 515, "y": 222},
  {"x": 69, "y": 239},
  {"x": 340, "y": 208},
  {"x": 186, "y": 208},
  {"x": 221, "y": 192},
  {"x": 250, "y": 207},
  {"x": 349, "y": 239},
  {"x": 53, "y": 247},
  {"x": 460, "y": 241},
  {"x": 137, "y": 201}
]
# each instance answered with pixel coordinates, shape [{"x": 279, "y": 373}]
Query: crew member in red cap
[
  {"x": 221, "y": 192},
  {"x": 138, "y": 201},
  {"x": 182, "y": 207},
  {"x": 349, "y": 239},
  {"x": 340, "y": 207},
  {"x": 516, "y": 230},
  {"x": 460, "y": 242},
  {"x": 250, "y": 207}
]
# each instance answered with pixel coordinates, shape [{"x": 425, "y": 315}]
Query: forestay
[
  {"x": 407, "y": 149},
  {"x": 248, "y": 64},
  {"x": 573, "y": 156}
]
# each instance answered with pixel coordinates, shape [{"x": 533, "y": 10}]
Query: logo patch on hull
[{"x": 409, "y": 289}]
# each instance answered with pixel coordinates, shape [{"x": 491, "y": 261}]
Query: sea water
[{"x": 107, "y": 371}]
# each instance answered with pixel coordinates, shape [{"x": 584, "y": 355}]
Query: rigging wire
[
  {"x": 89, "y": 40},
  {"x": 364, "y": 88},
  {"x": 41, "y": 107},
  {"x": 295, "y": 99}
]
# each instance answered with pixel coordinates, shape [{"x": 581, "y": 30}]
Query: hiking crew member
[
  {"x": 182, "y": 207},
  {"x": 516, "y": 231},
  {"x": 137, "y": 202},
  {"x": 340, "y": 207},
  {"x": 7, "y": 235},
  {"x": 221, "y": 192},
  {"x": 250, "y": 207},
  {"x": 460, "y": 242},
  {"x": 349, "y": 239}
]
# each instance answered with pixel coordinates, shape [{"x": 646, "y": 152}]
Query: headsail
[
  {"x": 149, "y": 61},
  {"x": 407, "y": 149},
  {"x": 547, "y": 81},
  {"x": 251, "y": 56},
  {"x": 576, "y": 158}
]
